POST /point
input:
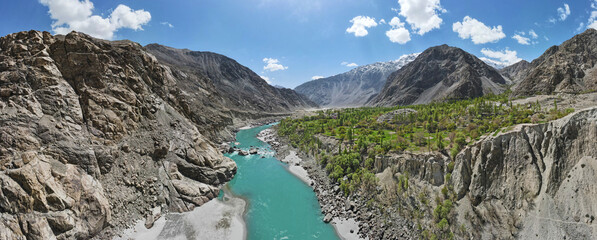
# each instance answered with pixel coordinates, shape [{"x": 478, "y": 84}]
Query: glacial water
[{"x": 280, "y": 206}]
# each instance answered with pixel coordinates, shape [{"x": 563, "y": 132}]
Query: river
[
  {"x": 263, "y": 201},
  {"x": 279, "y": 204}
]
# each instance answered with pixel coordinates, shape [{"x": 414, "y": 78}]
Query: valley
[{"x": 108, "y": 139}]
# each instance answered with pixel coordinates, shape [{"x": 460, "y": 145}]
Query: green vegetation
[{"x": 442, "y": 126}]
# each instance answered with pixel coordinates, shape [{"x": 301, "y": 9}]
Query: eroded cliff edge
[
  {"x": 94, "y": 135},
  {"x": 533, "y": 182}
]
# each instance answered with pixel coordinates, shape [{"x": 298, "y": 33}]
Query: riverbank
[
  {"x": 220, "y": 218},
  {"x": 344, "y": 219}
]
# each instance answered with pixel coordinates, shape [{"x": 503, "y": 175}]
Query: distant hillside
[
  {"x": 441, "y": 72},
  {"x": 242, "y": 90},
  {"x": 517, "y": 71},
  {"x": 352, "y": 88},
  {"x": 570, "y": 68}
]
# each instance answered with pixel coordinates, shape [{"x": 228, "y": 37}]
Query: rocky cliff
[
  {"x": 352, "y": 88},
  {"x": 568, "y": 68},
  {"x": 534, "y": 182},
  {"x": 96, "y": 134},
  {"x": 439, "y": 73}
]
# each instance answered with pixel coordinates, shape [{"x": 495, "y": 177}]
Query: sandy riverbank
[{"x": 217, "y": 219}]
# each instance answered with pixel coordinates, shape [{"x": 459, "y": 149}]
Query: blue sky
[{"x": 291, "y": 41}]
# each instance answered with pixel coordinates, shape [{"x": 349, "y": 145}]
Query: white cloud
[
  {"x": 167, "y": 24},
  {"x": 382, "y": 21},
  {"x": 360, "y": 25},
  {"x": 533, "y": 34},
  {"x": 506, "y": 57},
  {"x": 580, "y": 27},
  {"x": 316, "y": 77},
  {"x": 522, "y": 40},
  {"x": 564, "y": 12},
  {"x": 398, "y": 33},
  {"x": 273, "y": 65},
  {"x": 76, "y": 15},
  {"x": 592, "y": 23},
  {"x": 266, "y": 79},
  {"x": 349, "y": 64},
  {"x": 552, "y": 20},
  {"x": 477, "y": 31},
  {"x": 422, "y": 15}
]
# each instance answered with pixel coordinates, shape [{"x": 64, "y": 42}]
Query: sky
[{"x": 289, "y": 42}]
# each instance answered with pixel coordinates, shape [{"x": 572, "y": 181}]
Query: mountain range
[
  {"x": 445, "y": 72},
  {"x": 353, "y": 88},
  {"x": 441, "y": 72}
]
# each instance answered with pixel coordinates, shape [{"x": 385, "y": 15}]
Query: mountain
[
  {"x": 440, "y": 72},
  {"x": 244, "y": 92},
  {"x": 495, "y": 64},
  {"x": 353, "y": 88},
  {"x": 96, "y": 134},
  {"x": 567, "y": 68},
  {"x": 517, "y": 71}
]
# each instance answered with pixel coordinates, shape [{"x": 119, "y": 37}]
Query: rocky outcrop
[
  {"x": 536, "y": 181},
  {"x": 355, "y": 87},
  {"x": 427, "y": 167},
  {"x": 440, "y": 73},
  {"x": 95, "y": 135},
  {"x": 568, "y": 68}
]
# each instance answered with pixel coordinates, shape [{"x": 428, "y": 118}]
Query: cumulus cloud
[
  {"x": 316, "y": 77},
  {"x": 398, "y": 33},
  {"x": 267, "y": 80},
  {"x": 522, "y": 40},
  {"x": 360, "y": 25},
  {"x": 564, "y": 12},
  {"x": 167, "y": 24},
  {"x": 349, "y": 64},
  {"x": 533, "y": 34},
  {"x": 382, "y": 21},
  {"x": 272, "y": 65},
  {"x": 76, "y": 15},
  {"x": 422, "y": 15},
  {"x": 477, "y": 31},
  {"x": 592, "y": 23},
  {"x": 506, "y": 57}
]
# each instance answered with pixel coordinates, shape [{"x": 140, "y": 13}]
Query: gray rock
[{"x": 328, "y": 218}]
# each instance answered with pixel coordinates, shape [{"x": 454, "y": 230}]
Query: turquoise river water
[{"x": 280, "y": 206}]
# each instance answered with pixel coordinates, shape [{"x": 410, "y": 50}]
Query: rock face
[
  {"x": 439, "y": 73},
  {"x": 353, "y": 88},
  {"x": 535, "y": 182},
  {"x": 516, "y": 72},
  {"x": 94, "y": 135},
  {"x": 568, "y": 68},
  {"x": 241, "y": 90}
]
